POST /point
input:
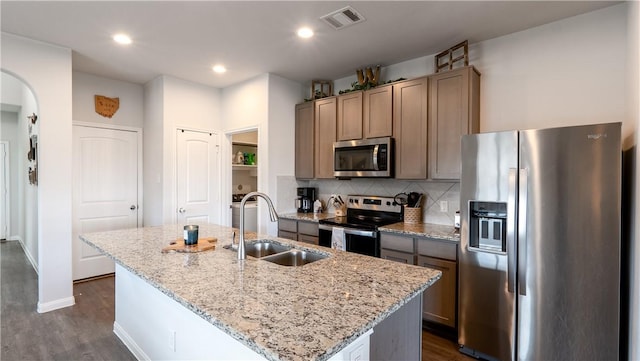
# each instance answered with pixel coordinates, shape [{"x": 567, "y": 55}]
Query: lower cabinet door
[
  {"x": 439, "y": 300},
  {"x": 396, "y": 256}
]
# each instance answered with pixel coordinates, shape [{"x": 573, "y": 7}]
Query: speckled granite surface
[
  {"x": 313, "y": 217},
  {"x": 283, "y": 313},
  {"x": 423, "y": 230}
]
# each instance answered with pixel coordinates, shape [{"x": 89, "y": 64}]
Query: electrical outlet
[{"x": 444, "y": 206}]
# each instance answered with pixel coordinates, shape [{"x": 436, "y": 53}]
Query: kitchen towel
[{"x": 337, "y": 238}]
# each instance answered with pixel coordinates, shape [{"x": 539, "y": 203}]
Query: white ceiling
[{"x": 184, "y": 39}]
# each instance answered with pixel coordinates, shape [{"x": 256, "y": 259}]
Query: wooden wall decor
[
  {"x": 366, "y": 77},
  {"x": 448, "y": 58},
  {"x": 321, "y": 89},
  {"x": 105, "y": 106}
]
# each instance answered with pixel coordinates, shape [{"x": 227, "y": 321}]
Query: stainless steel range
[{"x": 364, "y": 215}]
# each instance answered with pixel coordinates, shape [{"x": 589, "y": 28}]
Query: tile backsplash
[{"x": 435, "y": 194}]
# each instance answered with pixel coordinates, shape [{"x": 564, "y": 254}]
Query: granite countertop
[
  {"x": 283, "y": 313},
  {"x": 428, "y": 230},
  {"x": 311, "y": 217}
]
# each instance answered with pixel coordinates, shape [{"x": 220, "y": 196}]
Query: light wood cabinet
[
  {"x": 349, "y": 116},
  {"x": 454, "y": 110},
  {"x": 298, "y": 230},
  {"x": 377, "y": 114},
  {"x": 325, "y": 135},
  {"x": 410, "y": 128},
  {"x": 304, "y": 142},
  {"x": 439, "y": 300},
  {"x": 396, "y": 256}
]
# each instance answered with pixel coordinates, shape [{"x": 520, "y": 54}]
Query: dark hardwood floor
[
  {"x": 81, "y": 332},
  {"x": 85, "y": 331}
]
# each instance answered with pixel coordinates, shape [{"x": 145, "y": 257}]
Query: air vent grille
[{"x": 342, "y": 18}]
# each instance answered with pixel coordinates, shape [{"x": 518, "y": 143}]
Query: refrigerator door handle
[
  {"x": 522, "y": 231},
  {"x": 511, "y": 231}
]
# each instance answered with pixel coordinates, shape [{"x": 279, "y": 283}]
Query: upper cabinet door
[
  {"x": 350, "y": 116},
  {"x": 410, "y": 128},
  {"x": 325, "y": 128},
  {"x": 454, "y": 110},
  {"x": 304, "y": 141},
  {"x": 377, "y": 113}
]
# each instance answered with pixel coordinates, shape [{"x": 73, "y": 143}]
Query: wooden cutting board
[{"x": 204, "y": 244}]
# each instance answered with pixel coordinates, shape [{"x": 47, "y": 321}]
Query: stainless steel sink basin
[
  {"x": 294, "y": 257},
  {"x": 264, "y": 248}
]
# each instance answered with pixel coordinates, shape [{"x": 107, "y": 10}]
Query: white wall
[
  {"x": 633, "y": 113},
  {"x": 153, "y": 153},
  {"x": 283, "y": 94},
  {"x": 171, "y": 103},
  {"x": 86, "y": 86},
  {"x": 244, "y": 107},
  {"x": 47, "y": 71}
]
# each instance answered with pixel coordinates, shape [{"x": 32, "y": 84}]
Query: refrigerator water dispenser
[{"x": 488, "y": 226}]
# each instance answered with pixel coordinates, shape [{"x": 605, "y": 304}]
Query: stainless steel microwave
[{"x": 363, "y": 158}]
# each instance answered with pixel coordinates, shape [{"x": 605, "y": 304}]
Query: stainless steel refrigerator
[{"x": 539, "y": 265}]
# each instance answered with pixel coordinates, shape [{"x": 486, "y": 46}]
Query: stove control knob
[
  {"x": 388, "y": 203},
  {"x": 350, "y": 200}
]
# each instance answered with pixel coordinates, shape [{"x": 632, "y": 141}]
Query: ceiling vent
[{"x": 342, "y": 18}]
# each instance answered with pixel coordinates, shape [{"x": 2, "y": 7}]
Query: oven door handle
[{"x": 352, "y": 231}]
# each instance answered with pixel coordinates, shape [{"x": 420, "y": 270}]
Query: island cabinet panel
[
  {"x": 454, "y": 110},
  {"x": 410, "y": 128},
  {"x": 440, "y": 304},
  {"x": 350, "y": 116},
  {"x": 325, "y": 136},
  {"x": 156, "y": 327},
  {"x": 377, "y": 113},
  {"x": 304, "y": 142}
]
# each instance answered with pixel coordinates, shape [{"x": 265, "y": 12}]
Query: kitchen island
[{"x": 210, "y": 305}]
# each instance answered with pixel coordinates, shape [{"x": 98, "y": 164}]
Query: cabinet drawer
[
  {"x": 287, "y": 235},
  {"x": 398, "y": 243},
  {"x": 396, "y": 256},
  {"x": 307, "y": 239},
  {"x": 308, "y": 228},
  {"x": 438, "y": 249},
  {"x": 288, "y": 225}
]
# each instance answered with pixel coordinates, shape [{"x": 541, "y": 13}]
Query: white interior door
[
  {"x": 105, "y": 191},
  {"x": 198, "y": 175},
  {"x": 4, "y": 193}
]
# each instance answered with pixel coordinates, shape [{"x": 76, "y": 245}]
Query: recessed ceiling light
[
  {"x": 219, "y": 69},
  {"x": 305, "y": 33},
  {"x": 123, "y": 39}
]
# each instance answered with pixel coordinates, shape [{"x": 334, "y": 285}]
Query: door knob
[
  {"x": 133, "y": 207},
  {"x": 181, "y": 210}
]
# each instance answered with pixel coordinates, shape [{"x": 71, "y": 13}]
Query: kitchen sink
[
  {"x": 294, "y": 257},
  {"x": 264, "y": 248}
]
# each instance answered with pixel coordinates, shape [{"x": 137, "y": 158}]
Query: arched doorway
[{"x": 20, "y": 131}]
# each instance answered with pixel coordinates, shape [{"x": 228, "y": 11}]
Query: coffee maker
[{"x": 306, "y": 197}]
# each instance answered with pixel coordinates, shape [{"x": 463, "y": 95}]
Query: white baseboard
[
  {"x": 55, "y": 305},
  {"x": 32, "y": 260},
  {"x": 129, "y": 342}
]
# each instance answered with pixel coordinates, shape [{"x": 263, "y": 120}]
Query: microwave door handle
[{"x": 375, "y": 157}]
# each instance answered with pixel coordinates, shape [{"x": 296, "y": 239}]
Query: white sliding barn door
[
  {"x": 198, "y": 175},
  {"x": 105, "y": 191}
]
